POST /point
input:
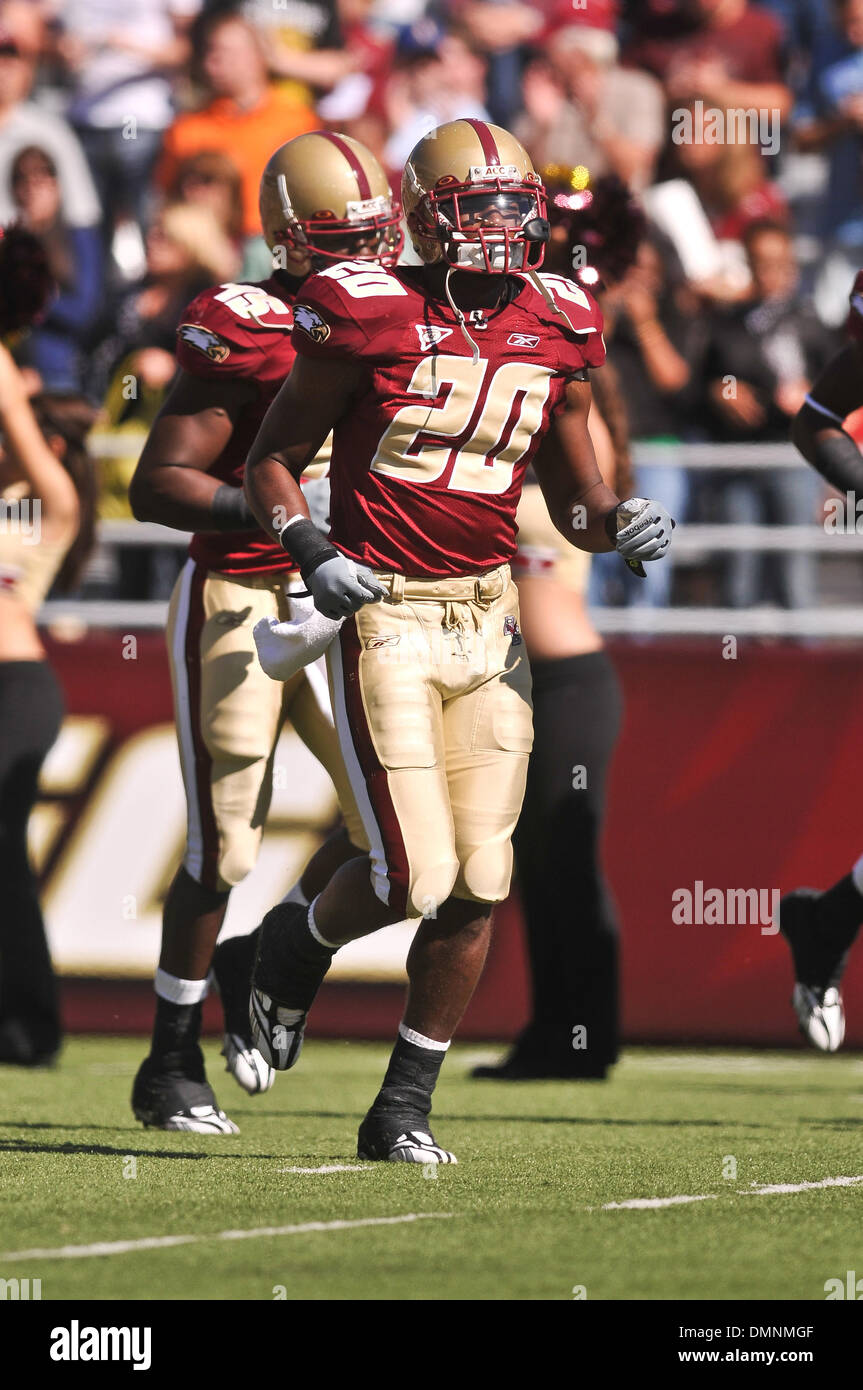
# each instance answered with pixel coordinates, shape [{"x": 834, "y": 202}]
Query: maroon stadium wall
[{"x": 734, "y": 780}]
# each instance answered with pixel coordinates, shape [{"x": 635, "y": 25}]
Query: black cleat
[
  {"x": 21, "y": 1046},
  {"x": 277, "y": 1031},
  {"x": 232, "y": 966},
  {"x": 392, "y": 1138},
  {"x": 818, "y": 969},
  {"x": 173, "y": 1093},
  {"x": 290, "y": 966}
]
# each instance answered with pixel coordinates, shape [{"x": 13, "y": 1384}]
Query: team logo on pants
[{"x": 510, "y": 629}]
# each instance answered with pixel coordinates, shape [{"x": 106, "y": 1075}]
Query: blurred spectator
[
  {"x": 829, "y": 118},
  {"x": 732, "y": 181},
  {"x": 371, "y": 45},
  {"x": 211, "y": 179},
  {"x": 728, "y": 53},
  {"x": 761, "y": 359},
  {"x": 655, "y": 343},
  {"x": 23, "y": 123},
  {"x": 501, "y": 29},
  {"x": 186, "y": 251},
  {"x": 772, "y": 344},
  {"x": 809, "y": 27},
  {"x": 245, "y": 116},
  {"x": 436, "y": 77},
  {"x": 120, "y": 59},
  {"x": 53, "y": 348},
  {"x": 582, "y": 107},
  {"x": 304, "y": 43}
]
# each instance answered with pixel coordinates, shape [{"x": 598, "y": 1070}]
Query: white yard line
[
  {"x": 331, "y": 1168},
  {"x": 756, "y": 1190},
  {"x": 125, "y": 1247},
  {"x": 769, "y": 1189},
  {"x": 642, "y": 1203}
]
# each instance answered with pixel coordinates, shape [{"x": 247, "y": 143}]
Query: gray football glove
[
  {"x": 643, "y": 531},
  {"x": 340, "y": 587}
]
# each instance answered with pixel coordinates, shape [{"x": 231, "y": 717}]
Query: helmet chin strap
[
  {"x": 534, "y": 279},
  {"x": 459, "y": 315}
]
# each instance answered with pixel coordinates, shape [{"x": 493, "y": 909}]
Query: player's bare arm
[
  {"x": 312, "y": 399},
  {"x": 579, "y": 501},
  {"x": 581, "y": 504},
  {"x": 818, "y": 428},
  {"x": 172, "y": 483}
]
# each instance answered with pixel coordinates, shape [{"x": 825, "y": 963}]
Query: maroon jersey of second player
[
  {"x": 428, "y": 463},
  {"x": 245, "y": 331}
]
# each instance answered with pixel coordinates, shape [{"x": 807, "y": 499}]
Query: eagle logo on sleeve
[
  {"x": 204, "y": 340},
  {"x": 311, "y": 322}
]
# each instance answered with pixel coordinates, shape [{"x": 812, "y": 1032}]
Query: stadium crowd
[{"x": 132, "y": 141}]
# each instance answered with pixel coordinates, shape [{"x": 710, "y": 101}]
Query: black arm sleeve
[
  {"x": 305, "y": 544},
  {"x": 229, "y": 505},
  {"x": 834, "y": 454}
]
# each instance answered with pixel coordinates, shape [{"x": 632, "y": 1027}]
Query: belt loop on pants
[{"x": 397, "y": 589}]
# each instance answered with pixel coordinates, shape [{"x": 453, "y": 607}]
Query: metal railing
[{"x": 692, "y": 543}]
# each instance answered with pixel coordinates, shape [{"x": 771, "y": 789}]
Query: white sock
[
  {"x": 420, "y": 1040},
  {"x": 331, "y": 946},
  {"x": 178, "y": 991},
  {"x": 857, "y": 875},
  {"x": 296, "y": 895}
]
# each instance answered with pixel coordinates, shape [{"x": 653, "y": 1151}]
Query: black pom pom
[
  {"x": 606, "y": 218},
  {"x": 26, "y": 282}
]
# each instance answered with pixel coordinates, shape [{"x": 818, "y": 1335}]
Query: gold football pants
[
  {"x": 431, "y": 694},
  {"x": 229, "y": 715}
]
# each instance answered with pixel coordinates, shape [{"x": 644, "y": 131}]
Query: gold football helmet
[
  {"x": 473, "y": 199},
  {"x": 325, "y": 198}
]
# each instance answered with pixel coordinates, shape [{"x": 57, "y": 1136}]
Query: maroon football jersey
[
  {"x": 239, "y": 330},
  {"x": 428, "y": 464}
]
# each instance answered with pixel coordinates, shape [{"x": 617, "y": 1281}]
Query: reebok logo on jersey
[
  {"x": 428, "y": 335},
  {"x": 310, "y": 321},
  {"x": 205, "y": 340},
  {"x": 523, "y": 340}
]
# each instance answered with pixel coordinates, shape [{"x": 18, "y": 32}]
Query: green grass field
[{"x": 521, "y": 1217}]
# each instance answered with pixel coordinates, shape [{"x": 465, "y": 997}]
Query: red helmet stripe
[
  {"x": 356, "y": 168},
  {"x": 490, "y": 151}
]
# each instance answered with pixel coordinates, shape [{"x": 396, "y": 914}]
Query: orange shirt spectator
[{"x": 247, "y": 117}]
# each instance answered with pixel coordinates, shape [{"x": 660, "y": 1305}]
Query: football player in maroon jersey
[
  {"x": 323, "y": 197},
  {"x": 819, "y": 927},
  {"x": 439, "y": 382},
  {"x": 569, "y": 913}
]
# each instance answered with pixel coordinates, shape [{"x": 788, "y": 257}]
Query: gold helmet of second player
[
  {"x": 325, "y": 198},
  {"x": 473, "y": 199}
]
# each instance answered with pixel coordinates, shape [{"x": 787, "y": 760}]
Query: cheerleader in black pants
[{"x": 47, "y": 496}]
